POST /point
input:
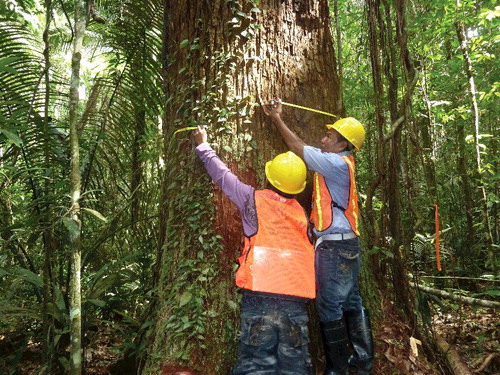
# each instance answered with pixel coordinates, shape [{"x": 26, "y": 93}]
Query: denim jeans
[
  {"x": 337, "y": 270},
  {"x": 273, "y": 338}
]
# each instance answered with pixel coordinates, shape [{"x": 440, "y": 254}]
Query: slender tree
[
  {"x": 48, "y": 323},
  {"x": 468, "y": 68},
  {"x": 75, "y": 302}
]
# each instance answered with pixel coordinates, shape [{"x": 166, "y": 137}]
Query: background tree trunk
[
  {"x": 462, "y": 37},
  {"x": 74, "y": 224},
  {"x": 48, "y": 298}
]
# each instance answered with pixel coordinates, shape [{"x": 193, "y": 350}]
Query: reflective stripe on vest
[
  {"x": 322, "y": 212},
  {"x": 279, "y": 258}
]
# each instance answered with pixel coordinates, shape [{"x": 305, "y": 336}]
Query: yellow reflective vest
[{"x": 322, "y": 212}]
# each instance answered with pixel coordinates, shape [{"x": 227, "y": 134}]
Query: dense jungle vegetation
[{"x": 117, "y": 252}]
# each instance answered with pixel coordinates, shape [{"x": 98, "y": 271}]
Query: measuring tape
[
  {"x": 284, "y": 103},
  {"x": 308, "y": 109},
  {"x": 187, "y": 128}
]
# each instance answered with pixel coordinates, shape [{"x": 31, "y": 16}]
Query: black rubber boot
[
  {"x": 360, "y": 333},
  {"x": 336, "y": 347}
]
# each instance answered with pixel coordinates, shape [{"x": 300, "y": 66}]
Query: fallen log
[
  {"x": 457, "y": 298},
  {"x": 455, "y": 361},
  {"x": 459, "y": 278}
]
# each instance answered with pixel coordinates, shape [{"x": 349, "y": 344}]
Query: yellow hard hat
[
  {"x": 351, "y": 129},
  {"x": 287, "y": 172}
]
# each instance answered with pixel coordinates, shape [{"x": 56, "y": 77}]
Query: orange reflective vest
[
  {"x": 279, "y": 258},
  {"x": 322, "y": 212}
]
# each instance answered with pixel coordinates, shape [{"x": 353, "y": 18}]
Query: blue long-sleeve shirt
[{"x": 336, "y": 173}]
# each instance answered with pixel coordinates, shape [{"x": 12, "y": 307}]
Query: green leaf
[
  {"x": 184, "y": 43},
  {"x": 5, "y": 62},
  {"x": 232, "y": 305},
  {"x": 388, "y": 253},
  {"x": 12, "y": 137},
  {"x": 95, "y": 213},
  {"x": 185, "y": 298},
  {"x": 103, "y": 284},
  {"x": 147, "y": 324},
  {"x": 28, "y": 276}
]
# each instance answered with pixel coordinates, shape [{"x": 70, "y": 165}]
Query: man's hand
[
  {"x": 273, "y": 108},
  {"x": 200, "y": 135}
]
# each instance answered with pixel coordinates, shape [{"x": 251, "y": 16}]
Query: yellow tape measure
[
  {"x": 308, "y": 109},
  {"x": 187, "y": 128},
  {"x": 284, "y": 103}
]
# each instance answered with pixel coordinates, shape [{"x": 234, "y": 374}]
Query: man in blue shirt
[{"x": 338, "y": 253}]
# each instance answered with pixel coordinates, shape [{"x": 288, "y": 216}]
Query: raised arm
[
  {"x": 273, "y": 109},
  {"x": 239, "y": 193}
]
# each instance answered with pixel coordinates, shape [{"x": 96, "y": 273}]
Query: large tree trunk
[{"x": 224, "y": 57}]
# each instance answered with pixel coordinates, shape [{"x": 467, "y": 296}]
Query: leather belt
[{"x": 335, "y": 237}]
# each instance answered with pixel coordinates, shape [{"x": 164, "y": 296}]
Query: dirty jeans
[
  {"x": 273, "y": 338},
  {"x": 337, "y": 269}
]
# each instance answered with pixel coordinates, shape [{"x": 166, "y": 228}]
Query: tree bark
[
  {"x": 225, "y": 57},
  {"x": 74, "y": 225},
  {"x": 462, "y": 37},
  {"x": 137, "y": 166},
  {"x": 467, "y": 202},
  {"x": 427, "y": 151},
  {"x": 338, "y": 33},
  {"x": 48, "y": 323},
  {"x": 379, "y": 229}
]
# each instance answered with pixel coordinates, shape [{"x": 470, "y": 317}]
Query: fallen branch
[
  {"x": 456, "y": 363},
  {"x": 458, "y": 278},
  {"x": 457, "y": 298},
  {"x": 486, "y": 362}
]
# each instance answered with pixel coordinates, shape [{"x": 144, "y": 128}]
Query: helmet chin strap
[{"x": 270, "y": 186}]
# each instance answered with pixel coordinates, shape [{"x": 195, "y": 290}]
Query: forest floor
[{"x": 473, "y": 332}]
